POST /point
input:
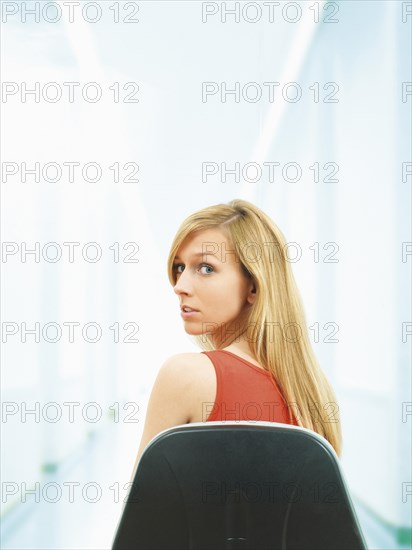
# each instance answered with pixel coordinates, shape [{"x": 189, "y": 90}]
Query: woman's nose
[{"x": 182, "y": 284}]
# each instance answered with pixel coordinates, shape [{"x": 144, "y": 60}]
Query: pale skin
[{"x": 216, "y": 286}]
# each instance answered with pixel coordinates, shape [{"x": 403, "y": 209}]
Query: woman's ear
[{"x": 252, "y": 292}]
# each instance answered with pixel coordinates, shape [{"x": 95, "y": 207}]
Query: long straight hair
[{"x": 280, "y": 341}]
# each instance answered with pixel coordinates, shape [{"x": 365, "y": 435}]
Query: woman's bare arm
[{"x": 169, "y": 402}]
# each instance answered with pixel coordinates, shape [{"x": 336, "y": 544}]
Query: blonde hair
[{"x": 290, "y": 359}]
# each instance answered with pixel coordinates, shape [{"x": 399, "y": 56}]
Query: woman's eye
[{"x": 208, "y": 267}]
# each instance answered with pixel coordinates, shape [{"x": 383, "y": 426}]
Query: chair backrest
[{"x": 238, "y": 485}]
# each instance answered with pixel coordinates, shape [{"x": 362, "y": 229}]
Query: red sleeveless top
[{"x": 244, "y": 392}]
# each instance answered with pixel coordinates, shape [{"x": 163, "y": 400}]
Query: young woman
[{"x": 227, "y": 263}]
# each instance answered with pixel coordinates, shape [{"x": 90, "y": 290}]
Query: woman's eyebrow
[{"x": 196, "y": 254}]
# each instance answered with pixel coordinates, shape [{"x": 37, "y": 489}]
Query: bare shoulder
[
  {"x": 189, "y": 364},
  {"x": 195, "y": 376}
]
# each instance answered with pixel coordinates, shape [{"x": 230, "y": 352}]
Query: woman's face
[{"x": 210, "y": 279}]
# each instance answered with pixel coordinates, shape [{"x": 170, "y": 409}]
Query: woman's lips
[{"x": 188, "y": 314}]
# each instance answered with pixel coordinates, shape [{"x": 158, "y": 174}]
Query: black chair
[{"x": 238, "y": 485}]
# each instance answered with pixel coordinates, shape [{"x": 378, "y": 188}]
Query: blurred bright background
[{"x": 82, "y": 340}]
